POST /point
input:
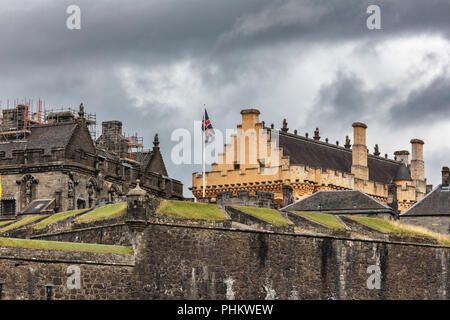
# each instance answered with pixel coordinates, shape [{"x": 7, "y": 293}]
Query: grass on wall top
[
  {"x": 190, "y": 210},
  {"x": 57, "y": 217},
  {"x": 396, "y": 227},
  {"x": 109, "y": 211},
  {"x": 326, "y": 219},
  {"x": 270, "y": 215},
  {"x": 21, "y": 223},
  {"x": 64, "y": 246},
  {"x": 2, "y": 223}
]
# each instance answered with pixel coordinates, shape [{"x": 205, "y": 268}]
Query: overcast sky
[{"x": 153, "y": 64}]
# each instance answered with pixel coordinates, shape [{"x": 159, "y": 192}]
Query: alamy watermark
[
  {"x": 250, "y": 147},
  {"x": 73, "y": 21}
]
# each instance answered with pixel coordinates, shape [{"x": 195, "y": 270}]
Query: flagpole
[{"x": 204, "y": 147}]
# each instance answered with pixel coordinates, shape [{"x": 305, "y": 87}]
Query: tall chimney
[
  {"x": 445, "y": 176},
  {"x": 417, "y": 164},
  {"x": 359, "y": 151},
  {"x": 417, "y": 168}
]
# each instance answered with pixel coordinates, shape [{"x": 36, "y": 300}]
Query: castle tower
[
  {"x": 417, "y": 167},
  {"x": 359, "y": 152}
]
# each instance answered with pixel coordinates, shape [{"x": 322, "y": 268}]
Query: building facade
[
  {"x": 265, "y": 159},
  {"x": 56, "y": 159},
  {"x": 433, "y": 210}
]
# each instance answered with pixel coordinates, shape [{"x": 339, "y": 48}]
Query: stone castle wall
[{"x": 223, "y": 263}]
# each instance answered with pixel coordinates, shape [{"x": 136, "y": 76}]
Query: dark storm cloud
[
  {"x": 246, "y": 42},
  {"x": 428, "y": 103},
  {"x": 347, "y": 99}
]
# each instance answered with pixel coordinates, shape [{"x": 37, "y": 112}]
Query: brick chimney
[
  {"x": 445, "y": 176},
  {"x": 359, "y": 152}
]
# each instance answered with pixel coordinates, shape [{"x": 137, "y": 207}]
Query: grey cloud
[
  {"x": 39, "y": 57},
  {"x": 430, "y": 103}
]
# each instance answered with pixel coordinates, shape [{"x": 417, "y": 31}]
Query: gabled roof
[
  {"x": 317, "y": 154},
  {"x": 348, "y": 201},
  {"x": 435, "y": 203},
  {"x": 45, "y": 137}
]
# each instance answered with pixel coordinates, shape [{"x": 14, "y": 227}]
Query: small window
[{"x": 8, "y": 207}]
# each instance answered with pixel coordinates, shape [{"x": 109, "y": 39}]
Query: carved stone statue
[
  {"x": 377, "y": 150},
  {"x": 316, "y": 134},
  {"x": 28, "y": 191}
]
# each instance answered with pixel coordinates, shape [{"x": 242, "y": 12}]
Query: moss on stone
[
  {"x": 401, "y": 229},
  {"x": 21, "y": 223},
  {"x": 56, "y": 217},
  {"x": 109, "y": 211},
  {"x": 270, "y": 215},
  {"x": 326, "y": 219},
  {"x": 190, "y": 210},
  {"x": 2, "y": 223},
  {"x": 64, "y": 246}
]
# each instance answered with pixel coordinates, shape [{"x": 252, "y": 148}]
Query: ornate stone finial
[
  {"x": 377, "y": 151},
  {"x": 295, "y": 132},
  {"x": 156, "y": 141},
  {"x": 316, "y": 134},
  {"x": 284, "y": 128},
  {"x": 347, "y": 143},
  {"x": 81, "y": 112}
]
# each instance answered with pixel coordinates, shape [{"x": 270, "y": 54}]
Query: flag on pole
[{"x": 207, "y": 126}]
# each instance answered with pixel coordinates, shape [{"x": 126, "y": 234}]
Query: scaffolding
[
  {"x": 17, "y": 122},
  {"x": 135, "y": 144},
  {"x": 64, "y": 112}
]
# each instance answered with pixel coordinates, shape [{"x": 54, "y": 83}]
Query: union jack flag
[{"x": 207, "y": 126}]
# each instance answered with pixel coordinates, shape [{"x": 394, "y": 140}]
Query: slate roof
[
  {"x": 348, "y": 201},
  {"x": 304, "y": 151},
  {"x": 107, "y": 154},
  {"x": 44, "y": 137},
  {"x": 143, "y": 157},
  {"x": 435, "y": 203}
]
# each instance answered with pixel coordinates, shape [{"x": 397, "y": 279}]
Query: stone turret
[{"x": 359, "y": 152}]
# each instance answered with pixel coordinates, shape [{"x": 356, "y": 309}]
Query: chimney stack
[
  {"x": 250, "y": 118},
  {"x": 359, "y": 152},
  {"x": 402, "y": 156},
  {"x": 417, "y": 164},
  {"x": 111, "y": 130},
  {"x": 445, "y": 176}
]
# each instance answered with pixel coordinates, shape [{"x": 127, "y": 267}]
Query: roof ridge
[{"x": 325, "y": 144}]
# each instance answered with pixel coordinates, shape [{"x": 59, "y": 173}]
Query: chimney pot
[{"x": 445, "y": 176}]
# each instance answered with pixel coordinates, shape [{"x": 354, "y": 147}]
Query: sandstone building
[
  {"x": 57, "y": 160},
  {"x": 264, "y": 159}
]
